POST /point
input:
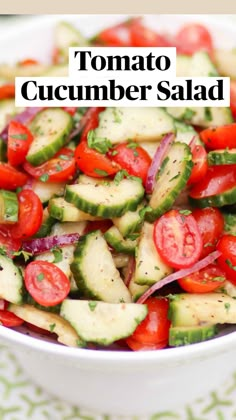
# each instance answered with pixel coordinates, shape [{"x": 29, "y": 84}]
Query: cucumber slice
[
  {"x": 181, "y": 336},
  {"x": 46, "y": 225},
  {"x": 222, "y": 157},
  {"x": 29, "y": 300},
  {"x": 8, "y": 207},
  {"x": 136, "y": 290},
  {"x": 61, "y": 210},
  {"x": 95, "y": 272},
  {"x": 150, "y": 147},
  {"x": 228, "y": 288},
  {"x": 7, "y": 110},
  {"x": 50, "y": 128},
  {"x": 218, "y": 200},
  {"x": 130, "y": 222},
  {"x": 171, "y": 179},
  {"x": 226, "y": 62},
  {"x": 3, "y": 150},
  {"x": 230, "y": 223},
  {"x": 116, "y": 240},
  {"x": 189, "y": 309},
  {"x": 46, "y": 190},
  {"x": 139, "y": 124},
  {"x": 120, "y": 260},
  {"x": 68, "y": 227},
  {"x": 49, "y": 322},
  {"x": 107, "y": 199},
  {"x": 11, "y": 284},
  {"x": 67, "y": 36},
  {"x": 183, "y": 65},
  {"x": 202, "y": 116},
  {"x": 150, "y": 268},
  {"x": 198, "y": 65},
  {"x": 185, "y": 133},
  {"x": 100, "y": 322}
]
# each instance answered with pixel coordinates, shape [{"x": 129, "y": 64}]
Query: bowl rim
[{"x": 14, "y": 337}]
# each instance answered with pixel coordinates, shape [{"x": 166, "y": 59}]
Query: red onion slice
[
  {"x": 157, "y": 160},
  {"x": 36, "y": 246},
  {"x": 180, "y": 274},
  {"x": 82, "y": 123},
  {"x": 192, "y": 143},
  {"x": 23, "y": 118},
  {"x": 130, "y": 271}
]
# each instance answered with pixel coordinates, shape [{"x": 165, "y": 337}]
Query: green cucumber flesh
[
  {"x": 8, "y": 207},
  {"x": 218, "y": 200},
  {"x": 130, "y": 222},
  {"x": 202, "y": 116},
  {"x": 100, "y": 322},
  {"x": 226, "y": 62},
  {"x": 171, "y": 180},
  {"x": 95, "y": 272},
  {"x": 47, "y": 190},
  {"x": 181, "y": 336},
  {"x": 230, "y": 223},
  {"x": 50, "y": 129},
  {"x": 61, "y": 210},
  {"x": 222, "y": 157},
  {"x": 118, "y": 243},
  {"x": 11, "y": 284},
  {"x": 46, "y": 226}
]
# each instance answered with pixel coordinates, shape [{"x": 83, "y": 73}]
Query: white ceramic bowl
[{"x": 122, "y": 383}]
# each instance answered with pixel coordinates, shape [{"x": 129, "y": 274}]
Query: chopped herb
[
  {"x": 208, "y": 114},
  {"x": 100, "y": 144},
  {"x": 133, "y": 236},
  {"x": 2, "y": 250},
  {"x": 163, "y": 165},
  {"x": 230, "y": 264},
  {"x": 174, "y": 177},
  {"x": 100, "y": 172},
  {"x": 92, "y": 305},
  {"x": 135, "y": 152},
  {"x": 135, "y": 178},
  {"x": 117, "y": 118},
  {"x": 145, "y": 210},
  {"x": 57, "y": 255},
  {"x": 227, "y": 306},
  {"x": 173, "y": 297},
  {"x": 40, "y": 277},
  {"x": 218, "y": 278},
  {"x": 20, "y": 136},
  {"x": 58, "y": 167},
  {"x": 121, "y": 300},
  {"x": 44, "y": 177},
  {"x": 132, "y": 145},
  {"x": 185, "y": 212},
  {"x": 52, "y": 327},
  {"x": 156, "y": 268},
  {"x": 188, "y": 114},
  {"x": 64, "y": 157},
  {"x": 114, "y": 153},
  {"x": 26, "y": 255},
  {"x": 120, "y": 176},
  {"x": 18, "y": 190},
  {"x": 207, "y": 244}
]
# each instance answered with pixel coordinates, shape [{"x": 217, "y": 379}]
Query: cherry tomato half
[
  {"x": 142, "y": 36},
  {"x": 118, "y": 35},
  {"x": 46, "y": 283},
  {"x": 19, "y": 141},
  {"x": 233, "y": 97},
  {"x": 211, "y": 225},
  {"x": 193, "y": 37},
  {"x": 219, "y": 137},
  {"x": 153, "y": 332},
  {"x": 200, "y": 164},
  {"x": 177, "y": 239},
  {"x": 57, "y": 169},
  {"x": 7, "y": 91},
  {"x": 11, "y": 178},
  {"x": 30, "y": 215},
  {"x": 7, "y": 242},
  {"x": 217, "y": 180},
  {"x": 8, "y": 319},
  {"x": 227, "y": 261},
  {"x": 133, "y": 158},
  {"x": 204, "y": 281}
]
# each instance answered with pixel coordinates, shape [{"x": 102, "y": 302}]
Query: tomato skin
[
  {"x": 142, "y": 36},
  {"x": 28, "y": 62},
  {"x": 9, "y": 319},
  {"x": 211, "y": 225},
  {"x": 153, "y": 331},
  {"x": 177, "y": 239},
  {"x": 203, "y": 281},
  {"x": 11, "y": 178},
  {"x": 46, "y": 283},
  {"x": 233, "y": 97},
  {"x": 118, "y": 35},
  {"x": 90, "y": 121},
  {"x": 66, "y": 168},
  {"x": 200, "y": 164},
  {"x": 17, "y": 148},
  {"x": 89, "y": 160},
  {"x": 217, "y": 180},
  {"x": 70, "y": 109},
  {"x": 138, "y": 346},
  {"x": 193, "y": 37},
  {"x": 30, "y": 215},
  {"x": 219, "y": 137},
  {"x": 7, "y": 91},
  {"x": 136, "y": 161},
  {"x": 227, "y": 261},
  {"x": 7, "y": 242}
]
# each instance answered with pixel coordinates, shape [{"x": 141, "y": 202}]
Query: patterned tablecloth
[{"x": 20, "y": 399}]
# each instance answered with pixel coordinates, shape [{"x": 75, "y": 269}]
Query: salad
[{"x": 118, "y": 225}]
